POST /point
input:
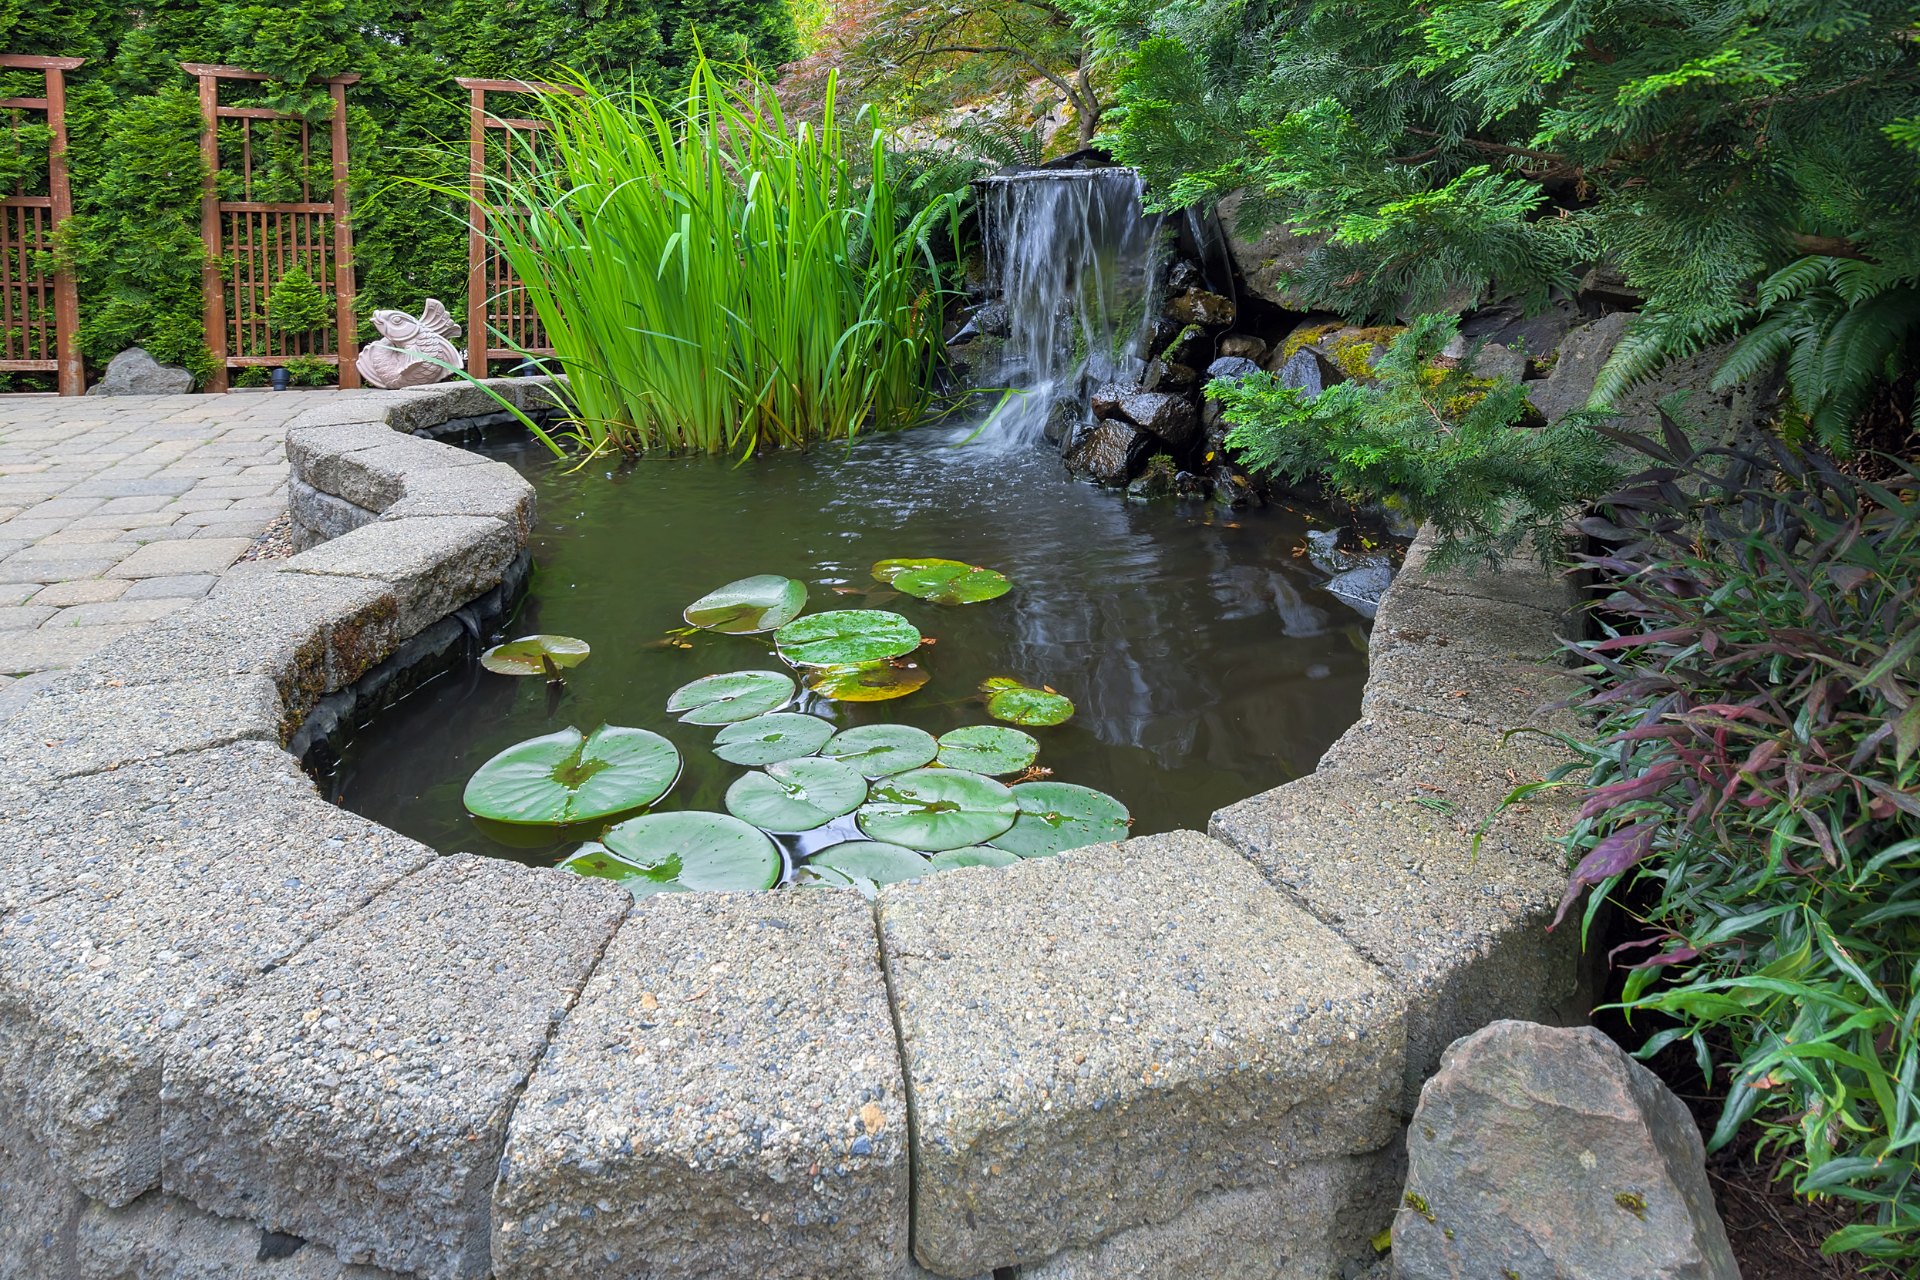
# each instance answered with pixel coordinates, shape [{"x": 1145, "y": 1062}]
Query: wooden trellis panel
[
  {"x": 497, "y": 303},
  {"x": 263, "y": 240},
  {"x": 39, "y": 311}
]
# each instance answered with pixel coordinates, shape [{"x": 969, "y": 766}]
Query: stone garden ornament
[{"x": 411, "y": 352}]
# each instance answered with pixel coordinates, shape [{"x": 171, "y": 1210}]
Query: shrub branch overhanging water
[{"x": 715, "y": 278}]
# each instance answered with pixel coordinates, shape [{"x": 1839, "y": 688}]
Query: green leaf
[
  {"x": 706, "y": 852},
  {"x": 797, "y": 795},
  {"x": 846, "y": 636},
  {"x": 522, "y": 657},
  {"x": 738, "y": 695},
  {"x": 866, "y": 681},
  {"x": 808, "y": 876},
  {"x": 596, "y": 860},
  {"x": 566, "y": 777},
  {"x": 781, "y": 735},
  {"x": 953, "y": 584},
  {"x": 1057, "y": 816},
  {"x": 936, "y": 809},
  {"x": 872, "y": 860},
  {"x": 1906, "y": 734},
  {"x": 761, "y": 603},
  {"x": 877, "y": 750},
  {"x": 987, "y": 748},
  {"x": 974, "y": 855},
  {"x": 888, "y": 570},
  {"x": 1017, "y": 703}
]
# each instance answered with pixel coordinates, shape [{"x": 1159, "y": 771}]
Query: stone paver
[{"x": 163, "y": 492}]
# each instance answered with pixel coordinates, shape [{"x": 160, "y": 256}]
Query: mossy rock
[{"x": 1157, "y": 481}]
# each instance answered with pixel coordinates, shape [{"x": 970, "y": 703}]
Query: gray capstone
[
  {"x": 432, "y": 564},
  {"x": 59, "y": 735},
  {"x": 135, "y": 373},
  {"x": 358, "y": 1095},
  {"x": 162, "y": 1237},
  {"x": 725, "y": 1100},
  {"x": 319, "y": 516},
  {"x": 1542, "y": 1151},
  {"x": 1095, "y": 1039}
]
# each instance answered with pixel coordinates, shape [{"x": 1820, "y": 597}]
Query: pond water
[{"x": 1205, "y": 661}]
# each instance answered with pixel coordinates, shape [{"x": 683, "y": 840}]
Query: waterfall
[{"x": 1075, "y": 263}]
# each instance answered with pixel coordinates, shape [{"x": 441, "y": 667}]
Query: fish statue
[{"x": 412, "y": 351}]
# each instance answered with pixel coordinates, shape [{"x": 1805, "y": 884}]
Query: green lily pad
[
  {"x": 596, "y": 860},
  {"x": 797, "y": 795},
  {"x": 571, "y": 777},
  {"x": 687, "y": 849},
  {"x": 782, "y": 735},
  {"x": 877, "y": 750},
  {"x": 974, "y": 855},
  {"x": 872, "y": 860},
  {"x": 738, "y": 695},
  {"x": 1057, "y": 816},
  {"x": 808, "y": 876},
  {"x": 936, "y": 809},
  {"x": 522, "y": 657},
  {"x": 762, "y": 603},
  {"x": 1018, "y": 703},
  {"x": 888, "y": 570},
  {"x": 846, "y": 636},
  {"x": 953, "y": 584},
  {"x": 866, "y": 681},
  {"x": 988, "y": 748}
]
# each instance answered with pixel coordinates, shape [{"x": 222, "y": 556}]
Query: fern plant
[{"x": 1445, "y": 443}]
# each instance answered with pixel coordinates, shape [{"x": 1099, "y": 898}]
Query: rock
[
  {"x": 1545, "y": 1151},
  {"x": 1197, "y": 306},
  {"x": 1170, "y": 417},
  {"x": 1243, "y": 344},
  {"x": 1106, "y": 399},
  {"x": 1496, "y": 361},
  {"x": 1163, "y": 376},
  {"x": 1231, "y": 367},
  {"x": 1452, "y": 301},
  {"x": 1108, "y": 454},
  {"x": 1230, "y": 488},
  {"x": 1363, "y": 586},
  {"x": 1582, "y": 353},
  {"x": 1157, "y": 481},
  {"x": 410, "y": 352},
  {"x": 1265, "y": 259},
  {"x": 135, "y": 373},
  {"x": 1607, "y": 284},
  {"x": 1307, "y": 370},
  {"x": 1063, "y": 415},
  {"x": 1185, "y": 274},
  {"x": 994, "y": 320},
  {"x": 1189, "y": 345}
]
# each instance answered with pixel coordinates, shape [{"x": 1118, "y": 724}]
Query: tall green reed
[{"x": 716, "y": 278}]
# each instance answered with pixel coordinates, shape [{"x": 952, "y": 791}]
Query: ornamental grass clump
[
  {"x": 1755, "y": 771},
  {"x": 715, "y": 278}
]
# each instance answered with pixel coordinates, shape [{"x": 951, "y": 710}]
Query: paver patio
[{"x": 116, "y": 511}]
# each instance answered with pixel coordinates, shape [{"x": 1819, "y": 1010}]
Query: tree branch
[{"x": 1551, "y": 157}]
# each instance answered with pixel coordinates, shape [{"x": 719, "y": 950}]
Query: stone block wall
[{"x": 245, "y": 1033}]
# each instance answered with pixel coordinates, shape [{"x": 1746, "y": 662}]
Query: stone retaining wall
[{"x": 245, "y": 1033}]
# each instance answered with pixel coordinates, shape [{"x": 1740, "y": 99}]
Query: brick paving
[{"x": 116, "y": 511}]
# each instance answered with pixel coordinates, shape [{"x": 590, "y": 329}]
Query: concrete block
[
  {"x": 419, "y": 408},
  {"x": 61, "y": 595},
  {"x": 38, "y": 1205},
  {"x": 358, "y": 1096},
  {"x": 1412, "y": 610},
  {"x": 170, "y": 559},
  {"x": 24, "y": 617},
  {"x": 186, "y": 878},
  {"x": 376, "y": 478},
  {"x": 369, "y": 409},
  {"x": 1307, "y": 1224},
  {"x": 109, "y": 486},
  {"x": 189, "y": 586},
  {"x": 432, "y": 564},
  {"x": 50, "y": 648},
  {"x": 116, "y": 613},
  {"x": 726, "y": 1100},
  {"x": 1463, "y": 934},
  {"x": 59, "y": 735},
  {"x": 162, "y": 1237},
  {"x": 25, "y": 567},
  {"x": 1494, "y": 693},
  {"x": 309, "y": 634},
  {"x": 322, "y": 513},
  {"x": 496, "y": 491},
  {"x": 1094, "y": 1040}
]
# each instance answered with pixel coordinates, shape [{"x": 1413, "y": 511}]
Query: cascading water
[{"x": 1075, "y": 263}]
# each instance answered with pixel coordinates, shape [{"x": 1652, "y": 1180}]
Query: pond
[{"x": 1203, "y": 658}]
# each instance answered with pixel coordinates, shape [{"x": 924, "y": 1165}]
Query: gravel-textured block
[
  {"x": 38, "y": 1205},
  {"x": 496, "y": 491},
  {"x": 308, "y": 633},
  {"x": 1307, "y": 1224},
  {"x": 433, "y": 564},
  {"x": 24, "y": 617},
  {"x": 190, "y": 586},
  {"x": 58, "y": 735},
  {"x": 359, "y": 1095},
  {"x": 726, "y": 1100},
  {"x": 162, "y": 1237},
  {"x": 1470, "y": 624},
  {"x": 1463, "y": 934},
  {"x": 170, "y": 559},
  {"x": 25, "y": 567},
  {"x": 321, "y": 515},
  {"x": 187, "y": 878},
  {"x": 62, "y": 595},
  {"x": 1093, "y": 1040},
  {"x": 377, "y": 477},
  {"x": 1494, "y": 693},
  {"x": 50, "y": 648}
]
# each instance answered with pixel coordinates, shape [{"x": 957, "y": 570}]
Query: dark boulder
[
  {"x": 1157, "y": 481},
  {"x": 1307, "y": 370},
  {"x": 1110, "y": 453},
  {"x": 1231, "y": 367},
  {"x": 1197, "y": 306},
  {"x": 1164, "y": 376},
  {"x": 1106, "y": 399},
  {"x": 1243, "y": 344},
  {"x": 1168, "y": 416},
  {"x": 1547, "y": 1151}
]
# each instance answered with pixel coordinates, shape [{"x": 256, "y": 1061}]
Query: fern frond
[
  {"x": 1650, "y": 345},
  {"x": 1793, "y": 280},
  {"x": 1857, "y": 281},
  {"x": 1763, "y": 346}
]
